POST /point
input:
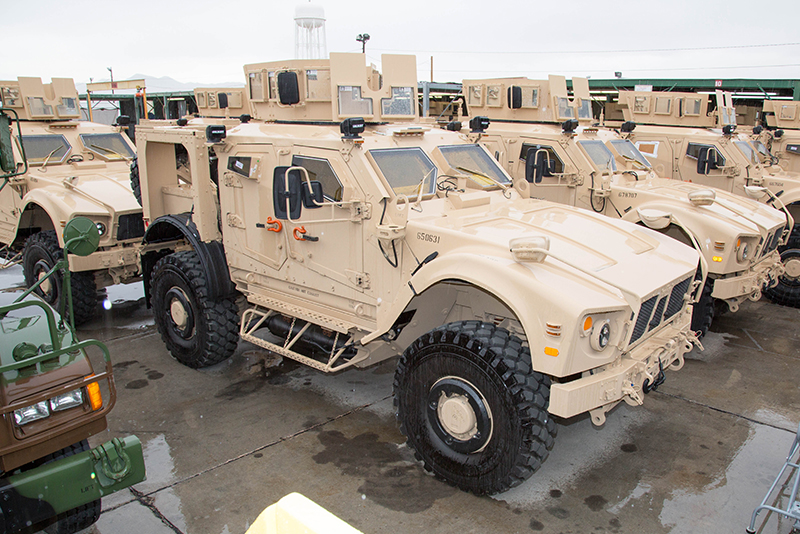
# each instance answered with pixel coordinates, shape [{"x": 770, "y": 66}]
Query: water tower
[{"x": 309, "y": 32}]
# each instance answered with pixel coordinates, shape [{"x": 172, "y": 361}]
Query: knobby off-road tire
[
  {"x": 787, "y": 291},
  {"x": 81, "y": 517},
  {"x": 197, "y": 330},
  {"x": 703, "y": 310},
  {"x": 472, "y": 408},
  {"x": 136, "y": 186},
  {"x": 40, "y": 254}
]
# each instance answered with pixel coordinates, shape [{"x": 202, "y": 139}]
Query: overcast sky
[{"x": 208, "y": 41}]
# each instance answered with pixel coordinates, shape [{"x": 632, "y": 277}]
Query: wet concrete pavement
[{"x": 223, "y": 443}]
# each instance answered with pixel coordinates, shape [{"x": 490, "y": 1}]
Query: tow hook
[
  {"x": 647, "y": 387},
  {"x": 115, "y": 462}
]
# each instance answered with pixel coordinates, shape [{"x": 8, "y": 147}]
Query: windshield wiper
[
  {"x": 503, "y": 186},
  {"x": 50, "y": 155},
  {"x": 120, "y": 156},
  {"x": 416, "y": 207},
  {"x": 635, "y": 161}
]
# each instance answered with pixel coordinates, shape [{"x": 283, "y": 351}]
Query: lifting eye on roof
[
  {"x": 628, "y": 126},
  {"x": 478, "y": 124},
  {"x": 215, "y": 133},
  {"x": 728, "y": 129},
  {"x": 453, "y": 126},
  {"x": 569, "y": 125},
  {"x": 758, "y": 129},
  {"x": 352, "y": 128}
]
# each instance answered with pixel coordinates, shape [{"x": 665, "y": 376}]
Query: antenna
[{"x": 309, "y": 32}]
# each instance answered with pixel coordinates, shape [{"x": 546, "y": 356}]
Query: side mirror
[
  {"x": 286, "y": 193},
  {"x": 81, "y": 236},
  {"x": 222, "y": 100},
  {"x": 313, "y": 198},
  {"x": 288, "y": 88},
  {"x": 7, "y": 162},
  {"x": 703, "y": 163}
]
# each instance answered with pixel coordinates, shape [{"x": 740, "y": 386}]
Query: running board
[{"x": 253, "y": 319}]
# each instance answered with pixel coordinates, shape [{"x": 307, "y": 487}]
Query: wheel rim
[
  {"x": 47, "y": 288},
  {"x": 459, "y": 415},
  {"x": 791, "y": 261},
  {"x": 180, "y": 313}
]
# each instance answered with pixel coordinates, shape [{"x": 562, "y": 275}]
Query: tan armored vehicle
[
  {"x": 66, "y": 168},
  {"x": 547, "y": 143},
  {"x": 782, "y": 133},
  {"x": 678, "y": 133},
  {"x": 355, "y": 234}
]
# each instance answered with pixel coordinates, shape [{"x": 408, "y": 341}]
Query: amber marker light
[
  {"x": 717, "y": 259},
  {"x": 551, "y": 351},
  {"x": 587, "y": 324},
  {"x": 95, "y": 397}
]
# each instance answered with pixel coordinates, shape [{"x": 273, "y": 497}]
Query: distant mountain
[{"x": 164, "y": 84}]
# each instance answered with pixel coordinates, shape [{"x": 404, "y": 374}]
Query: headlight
[
  {"x": 31, "y": 413},
  {"x": 101, "y": 228},
  {"x": 744, "y": 250},
  {"x": 66, "y": 401},
  {"x": 601, "y": 334}
]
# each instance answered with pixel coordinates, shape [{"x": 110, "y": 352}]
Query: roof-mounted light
[
  {"x": 453, "y": 126},
  {"x": 728, "y": 129},
  {"x": 627, "y": 126},
  {"x": 215, "y": 133},
  {"x": 352, "y": 128},
  {"x": 569, "y": 125},
  {"x": 478, "y": 124}
]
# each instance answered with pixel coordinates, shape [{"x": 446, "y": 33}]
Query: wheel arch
[
  {"x": 171, "y": 228},
  {"x": 36, "y": 216}
]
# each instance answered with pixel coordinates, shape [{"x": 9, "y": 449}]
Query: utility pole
[
  {"x": 112, "y": 79},
  {"x": 363, "y": 38}
]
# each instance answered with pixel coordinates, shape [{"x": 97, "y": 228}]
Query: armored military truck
[
  {"x": 546, "y": 141},
  {"x": 355, "y": 234},
  {"x": 65, "y": 167},
  {"x": 687, "y": 140},
  {"x": 53, "y": 400},
  {"x": 780, "y": 133}
]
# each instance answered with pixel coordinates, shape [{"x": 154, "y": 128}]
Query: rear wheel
[
  {"x": 787, "y": 290},
  {"x": 197, "y": 330},
  {"x": 40, "y": 254},
  {"x": 472, "y": 408}
]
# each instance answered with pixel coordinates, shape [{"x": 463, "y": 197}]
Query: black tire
[
  {"x": 81, "y": 517},
  {"x": 40, "y": 254},
  {"x": 486, "y": 370},
  {"x": 136, "y": 186},
  {"x": 197, "y": 330},
  {"x": 703, "y": 310},
  {"x": 787, "y": 290}
]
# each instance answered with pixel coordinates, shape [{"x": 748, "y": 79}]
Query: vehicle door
[
  {"x": 548, "y": 168},
  {"x": 703, "y": 163},
  {"x": 663, "y": 155}
]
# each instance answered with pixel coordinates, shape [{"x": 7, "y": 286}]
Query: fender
[
  {"x": 56, "y": 209},
  {"x": 539, "y": 302},
  {"x": 212, "y": 254}
]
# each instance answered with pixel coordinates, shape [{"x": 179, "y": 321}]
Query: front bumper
[
  {"x": 625, "y": 378},
  {"x": 748, "y": 284},
  {"x": 117, "y": 257}
]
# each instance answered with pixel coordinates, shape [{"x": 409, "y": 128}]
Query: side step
[{"x": 254, "y": 318}]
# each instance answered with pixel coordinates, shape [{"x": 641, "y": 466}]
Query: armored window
[
  {"x": 663, "y": 105},
  {"x": 240, "y": 165},
  {"x": 68, "y": 107},
  {"x": 401, "y": 103},
  {"x": 641, "y": 104},
  {"x": 748, "y": 151},
  {"x": 405, "y": 168},
  {"x": 318, "y": 85},
  {"x": 201, "y": 99},
  {"x": 766, "y": 155},
  {"x": 11, "y": 98},
  {"x": 493, "y": 96},
  {"x": 39, "y": 147},
  {"x": 717, "y": 160},
  {"x": 256, "y": 84},
  {"x": 475, "y": 162},
  {"x": 475, "y": 95},
  {"x": 628, "y": 151},
  {"x": 212, "y": 99},
  {"x": 273, "y": 85},
  {"x": 530, "y": 97},
  {"x": 555, "y": 165},
  {"x": 351, "y": 102},
  {"x": 728, "y": 116},
  {"x": 320, "y": 170},
  {"x": 39, "y": 108},
  {"x": 788, "y": 112},
  {"x": 600, "y": 155},
  {"x": 565, "y": 109},
  {"x": 691, "y": 106},
  {"x": 584, "y": 109},
  {"x": 110, "y": 146}
]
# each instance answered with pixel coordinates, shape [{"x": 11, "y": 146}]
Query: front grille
[
  {"x": 659, "y": 314},
  {"x": 776, "y": 238},
  {"x": 676, "y": 298},
  {"x": 131, "y": 226},
  {"x": 644, "y": 317}
]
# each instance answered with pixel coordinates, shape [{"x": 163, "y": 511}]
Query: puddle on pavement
[{"x": 161, "y": 473}]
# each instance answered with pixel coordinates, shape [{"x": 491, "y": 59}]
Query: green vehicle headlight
[
  {"x": 31, "y": 413},
  {"x": 66, "y": 401}
]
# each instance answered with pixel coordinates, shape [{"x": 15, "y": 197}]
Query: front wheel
[
  {"x": 703, "y": 310},
  {"x": 472, "y": 408},
  {"x": 787, "y": 290},
  {"x": 197, "y": 330},
  {"x": 81, "y": 517}
]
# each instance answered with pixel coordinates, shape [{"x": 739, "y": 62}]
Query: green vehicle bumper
[{"x": 39, "y": 494}]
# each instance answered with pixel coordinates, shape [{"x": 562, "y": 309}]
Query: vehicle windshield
[
  {"x": 107, "y": 145},
  {"x": 627, "y": 150},
  {"x": 748, "y": 151},
  {"x": 476, "y": 163},
  {"x": 38, "y": 148},
  {"x": 766, "y": 155},
  {"x": 405, "y": 168},
  {"x": 600, "y": 155}
]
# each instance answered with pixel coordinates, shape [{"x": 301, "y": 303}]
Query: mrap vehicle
[
  {"x": 548, "y": 143},
  {"x": 355, "y": 235},
  {"x": 64, "y": 168},
  {"x": 685, "y": 139}
]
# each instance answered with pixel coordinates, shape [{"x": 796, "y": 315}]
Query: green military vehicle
[
  {"x": 353, "y": 234},
  {"x": 69, "y": 168},
  {"x": 548, "y": 143}
]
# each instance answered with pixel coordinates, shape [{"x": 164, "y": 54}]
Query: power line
[{"x": 626, "y": 70}]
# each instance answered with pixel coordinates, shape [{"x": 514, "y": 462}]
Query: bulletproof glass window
[
  {"x": 766, "y": 155},
  {"x": 691, "y": 106},
  {"x": 641, "y": 104},
  {"x": 475, "y": 95},
  {"x": 405, "y": 168},
  {"x": 273, "y": 86},
  {"x": 748, "y": 151},
  {"x": 475, "y": 162},
  {"x": 707, "y": 153},
  {"x": 240, "y": 165},
  {"x": 201, "y": 99},
  {"x": 663, "y": 105},
  {"x": 11, "y": 98},
  {"x": 600, "y": 155},
  {"x": 788, "y": 112},
  {"x": 212, "y": 99},
  {"x": 68, "y": 107},
  {"x": 565, "y": 109},
  {"x": 401, "y": 103},
  {"x": 552, "y": 163},
  {"x": 320, "y": 170},
  {"x": 39, "y": 147},
  {"x": 255, "y": 82},
  {"x": 39, "y": 108},
  {"x": 493, "y": 96},
  {"x": 351, "y": 102},
  {"x": 318, "y": 85},
  {"x": 530, "y": 97},
  {"x": 584, "y": 109},
  {"x": 628, "y": 151},
  {"x": 111, "y": 146}
]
